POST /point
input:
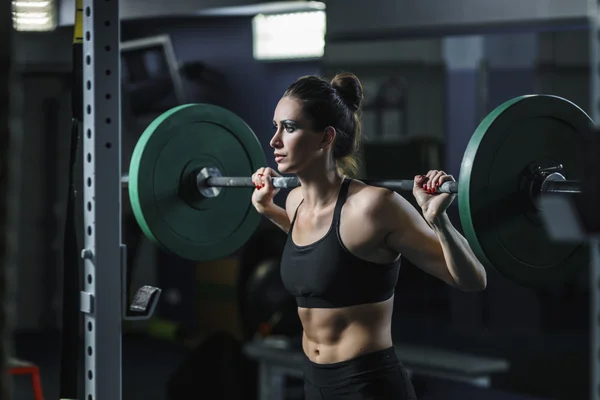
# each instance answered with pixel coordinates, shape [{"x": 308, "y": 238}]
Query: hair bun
[{"x": 349, "y": 89}]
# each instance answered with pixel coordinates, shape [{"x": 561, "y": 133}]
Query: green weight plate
[
  {"x": 168, "y": 208},
  {"x": 498, "y": 218}
]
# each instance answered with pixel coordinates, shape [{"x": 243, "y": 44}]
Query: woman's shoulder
[
  {"x": 374, "y": 202},
  {"x": 367, "y": 196}
]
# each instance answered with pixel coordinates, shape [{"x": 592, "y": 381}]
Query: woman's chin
[{"x": 282, "y": 168}]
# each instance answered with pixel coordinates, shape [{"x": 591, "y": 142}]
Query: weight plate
[
  {"x": 498, "y": 217},
  {"x": 166, "y": 204}
]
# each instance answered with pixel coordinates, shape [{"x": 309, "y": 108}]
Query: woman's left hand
[{"x": 433, "y": 204}]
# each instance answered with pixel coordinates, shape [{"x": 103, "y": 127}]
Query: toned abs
[{"x": 334, "y": 335}]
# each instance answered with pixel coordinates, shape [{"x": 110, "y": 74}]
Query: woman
[{"x": 342, "y": 256}]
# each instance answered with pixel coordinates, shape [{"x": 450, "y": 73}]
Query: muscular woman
[{"x": 345, "y": 238}]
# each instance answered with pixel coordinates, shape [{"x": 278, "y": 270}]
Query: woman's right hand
[{"x": 262, "y": 197}]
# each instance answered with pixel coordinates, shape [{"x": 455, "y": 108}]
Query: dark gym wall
[{"x": 252, "y": 88}]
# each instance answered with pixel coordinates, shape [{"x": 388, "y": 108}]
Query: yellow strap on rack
[{"x": 78, "y": 31}]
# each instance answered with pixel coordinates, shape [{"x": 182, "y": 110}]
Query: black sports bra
[{"x": 324, "y": 274}]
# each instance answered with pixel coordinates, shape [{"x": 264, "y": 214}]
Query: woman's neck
[{"x": 320, "y": 189}]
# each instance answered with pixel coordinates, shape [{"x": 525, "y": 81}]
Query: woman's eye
[{"x": 289, "y": 128}]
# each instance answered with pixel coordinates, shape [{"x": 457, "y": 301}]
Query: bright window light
[
  {"x": 34, "y": 15},
  {"x": 289, "y": 36}
]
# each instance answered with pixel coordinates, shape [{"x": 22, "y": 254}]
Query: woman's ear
[{"x": 328, "y": 137}]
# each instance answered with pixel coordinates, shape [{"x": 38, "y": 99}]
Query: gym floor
[{"x": 549, "y": 369}]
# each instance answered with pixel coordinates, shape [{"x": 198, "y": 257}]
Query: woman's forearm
[
  {"x": 462, "y": 263},
  {"x": 276, "y": 215}
]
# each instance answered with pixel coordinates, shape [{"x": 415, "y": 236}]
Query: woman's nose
[{"x": 275, "y": 141}]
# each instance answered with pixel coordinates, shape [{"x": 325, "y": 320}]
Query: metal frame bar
[
  {"x": 594, "y": 242},
  {"x": 10, "y": 145},
  {"x": 102, "y": 200}
]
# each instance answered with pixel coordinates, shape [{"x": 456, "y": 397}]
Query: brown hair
[{"x": 337, "y": 104}]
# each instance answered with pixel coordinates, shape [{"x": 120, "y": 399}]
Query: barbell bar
[
  {"x": 218, "y": 181},
  {"x": 189, "y": 184},
  {"x": 561, "y": 186}
]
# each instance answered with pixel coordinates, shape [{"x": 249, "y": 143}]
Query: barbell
[{"x": 190, "y": 187}]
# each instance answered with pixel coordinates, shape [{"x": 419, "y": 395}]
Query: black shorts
[{"x": 374, "y": 376}]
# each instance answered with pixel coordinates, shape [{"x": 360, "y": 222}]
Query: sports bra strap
[
  {"x": 295, "y": 214},
  {"x": 340, "y": 201}
]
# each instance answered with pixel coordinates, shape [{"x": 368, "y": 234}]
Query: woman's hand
[
  {"x": 262, "y": 197},
  {"x": 433, "y": 204}
]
